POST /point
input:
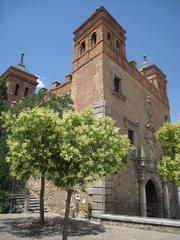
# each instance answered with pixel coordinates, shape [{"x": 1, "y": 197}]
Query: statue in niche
[
  {"x": 148, "y": 106},
  {"x": 151, "y": 153}
]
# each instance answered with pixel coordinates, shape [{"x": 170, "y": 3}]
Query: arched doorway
[{"x": 151, "y": 200}]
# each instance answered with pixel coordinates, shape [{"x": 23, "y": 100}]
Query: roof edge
[{"x": 98, "y": 10}]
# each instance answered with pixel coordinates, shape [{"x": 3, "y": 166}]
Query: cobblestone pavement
[{"x": 26, "y": 227}]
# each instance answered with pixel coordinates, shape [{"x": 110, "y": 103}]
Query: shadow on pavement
[{"x": 30, "y": 227}]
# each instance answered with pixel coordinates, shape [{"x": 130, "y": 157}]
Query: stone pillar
[
  {"x": 101, "y": 195},
  {"x": 143, "y": 203},
  {"x": 97, "y": 196},
  {"x": 166, "y": 201}
]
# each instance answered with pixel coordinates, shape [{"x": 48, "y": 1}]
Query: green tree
[
  {"x": 169, "y": 137},
  {"x": 33, "y": 142},
  {"x": 3, "y": 89},
  {"x": 90, "y": 149},
  {"x": 6, "y": 180},
  {"x": 43, "y": 99}
]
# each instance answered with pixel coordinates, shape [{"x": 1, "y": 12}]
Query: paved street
[{"x": 26, "y": 227}]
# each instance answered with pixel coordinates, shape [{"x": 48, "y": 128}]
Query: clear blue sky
[{"x": 43, "y": 29}]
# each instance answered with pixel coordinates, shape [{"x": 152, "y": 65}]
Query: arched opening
[
  {"x": 109, "y": 38},
  {"x": 93, "y": 39},
  {"x": 16, "y": 89},
  {"x": 151, "y": 200},
  {"x": 82, "y": 48},
  {"x": 26, "y": 91},
  {"x": 117, "y": 45}
]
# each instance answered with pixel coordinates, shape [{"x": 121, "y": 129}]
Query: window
[
  {"x": 26, "y": 91},
  {"x": 93, "y": 39},
  {"x": 83, "y": 47},
  {"x": 117, "y": 45},
  {"x": 117, "y": 84},
  {"x": 131, "y": 136},
  {"x": 109, "y": 38},
  {"x": 16, "y": 89}
]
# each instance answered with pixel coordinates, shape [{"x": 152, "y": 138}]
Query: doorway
[{"x": 152, "y": 200}]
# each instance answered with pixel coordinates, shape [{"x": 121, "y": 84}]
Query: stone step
[
  {"x": 158, "y": 224},
  {"x": 33, "y": 202}
]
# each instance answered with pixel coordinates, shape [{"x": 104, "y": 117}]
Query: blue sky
[{"x": 43, "y": 29}]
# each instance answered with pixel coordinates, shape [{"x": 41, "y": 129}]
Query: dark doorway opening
[
  {"x": 131, "y": 136},
  {"x": 152, "y": 200}
]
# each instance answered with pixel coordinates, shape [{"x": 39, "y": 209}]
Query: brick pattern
[{"x": 25, "y": 80}]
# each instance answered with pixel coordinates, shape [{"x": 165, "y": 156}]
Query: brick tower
[
  {"x": 20, "y": 82},
  {"x": 97, "y": 36}
]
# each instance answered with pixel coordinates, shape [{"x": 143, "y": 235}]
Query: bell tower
[
  {"x": 156, "y": 77},
  {"x": 99, "y": 35},
  {"x": 19, "y": 81}
]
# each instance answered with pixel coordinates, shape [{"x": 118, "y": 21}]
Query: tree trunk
[
  {"x": 66, "y": 217},
  {"x": 26, "y": 200},
  {"x": 42, "y": 200}
]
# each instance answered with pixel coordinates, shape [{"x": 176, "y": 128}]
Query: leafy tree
[
  {"x": 169, "y": 137},
  {"x": 90, "y": 149},
  {"x": 6, "y": 180},
  {"x": 42, "y": 99},
  {"x": 3, "y": 89},
  {"x": 33, "y": 141}
]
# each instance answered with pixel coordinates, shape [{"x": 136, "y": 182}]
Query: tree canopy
[
  {"x": 33, "y": 140},
  {"x": 169, "y": 137},
  {"x": 90, "y": 148}
]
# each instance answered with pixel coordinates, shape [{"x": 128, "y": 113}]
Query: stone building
[{"x": 102, "y": 78}]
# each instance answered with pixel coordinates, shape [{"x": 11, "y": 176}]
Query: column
[
  {"x": 143, "y": 203},
  {"x": 166, "y": 201}
]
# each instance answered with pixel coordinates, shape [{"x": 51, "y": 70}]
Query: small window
[
  {"x": 117, "y": 45},
  {"x": 83, "y": 47},
  {"x": 16, "y": 90},
  {"x": 109, "y": 38},
  {"x": 131, "y": 136},
  {"x": 26, "y": 91},
  {"x": 93, "y": 39},
  {"x": 117, "y": 84}
]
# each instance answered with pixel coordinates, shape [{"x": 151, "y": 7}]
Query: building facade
[{"x": 102, "y": 78}]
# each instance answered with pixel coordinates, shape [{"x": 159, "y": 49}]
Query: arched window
[
  {"x": 83, "y": 47},
  {"x": 16, "y": 89},
  {"x": 26, "y": 91},
  {"x": 93, "y": 39},
  {"x": 117, "y": 45},
  {"x": 109, "y": 38}
]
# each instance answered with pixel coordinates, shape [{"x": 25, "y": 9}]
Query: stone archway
[{"x": 152, "y": 199}]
